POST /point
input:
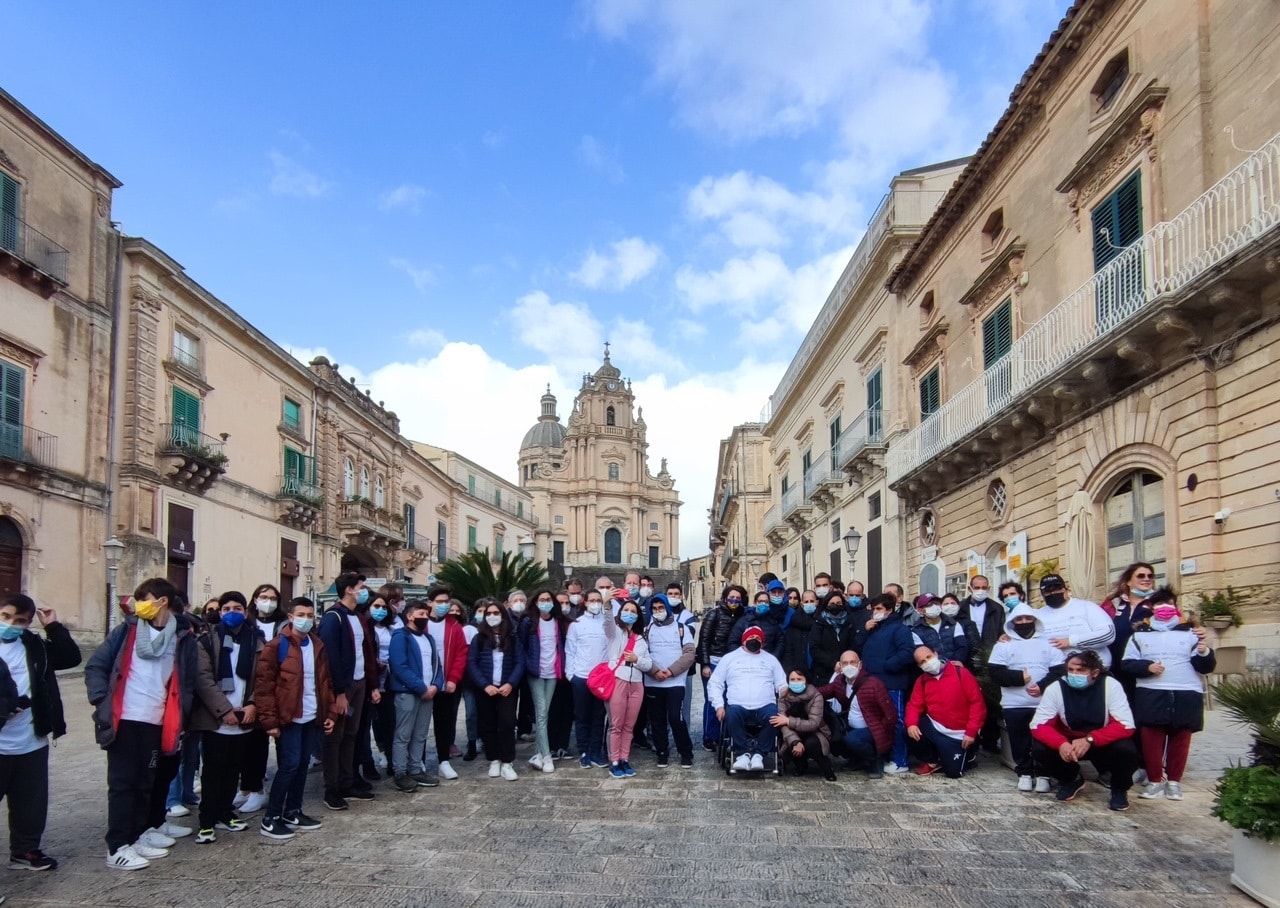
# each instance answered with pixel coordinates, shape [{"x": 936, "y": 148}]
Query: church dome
[{"x": 547, "y": 432}]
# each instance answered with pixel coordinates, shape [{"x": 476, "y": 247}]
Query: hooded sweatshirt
[
  {"x": 1009, "y": 659},
  {"x": 1084, "y": 623}
]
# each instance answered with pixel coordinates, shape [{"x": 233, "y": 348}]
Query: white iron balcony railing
[
  {"x": 1233, "y": 213},
  {"x": 773, "y": 519},
  {"x": 819, "y": 473},
  {"x": 726, "y": 496},
  {"x": 866, "y": 431},
  {"x": 293, "y": 486},
  {"x": 793, "y": 499}
]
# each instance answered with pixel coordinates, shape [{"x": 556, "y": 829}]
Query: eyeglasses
[
  {"x": 737, "y": 601},
  {"x": 1144, "y": 576}
]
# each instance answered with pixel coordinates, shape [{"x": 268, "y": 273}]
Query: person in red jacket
[
  {"x": 869, "y": 717},
  {"x": 944, "y": 715},
  {"x": 451, "y": 641}
]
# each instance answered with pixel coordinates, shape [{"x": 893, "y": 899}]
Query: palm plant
[
  {"x": 472, "y": 576},
  {"x": 1248, "y": 797}
]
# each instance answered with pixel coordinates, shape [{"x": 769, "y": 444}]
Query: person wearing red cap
[{"x": 744, "y": 689}]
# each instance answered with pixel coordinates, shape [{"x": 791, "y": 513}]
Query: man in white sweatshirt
[
  {"x": 744, "y": 689},
  {"x": 1072, "y": 624}
]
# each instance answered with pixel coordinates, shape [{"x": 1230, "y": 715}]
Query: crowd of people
[{"x": 792, "y": 680}]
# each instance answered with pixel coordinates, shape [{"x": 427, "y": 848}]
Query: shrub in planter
[{"x": 1248, "y": 798}]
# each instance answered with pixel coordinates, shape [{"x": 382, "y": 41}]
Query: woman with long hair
[
  {"x": 386, "y": 621},
  {"x": 544, "y": 669},
  {"x": 264, "y": 618},
  {"x": 458, "y": 612},
  {"x": 496, "y": 663},
  {"x": 628, "y": 654}
]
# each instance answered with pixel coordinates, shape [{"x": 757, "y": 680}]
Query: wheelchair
[{"x": 725, "y": 756}]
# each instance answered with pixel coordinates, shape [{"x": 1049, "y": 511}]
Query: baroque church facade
[{"x": 598, "y": 508}]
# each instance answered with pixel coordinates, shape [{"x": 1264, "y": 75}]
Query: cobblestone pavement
[{"x": 665, "y": 838}]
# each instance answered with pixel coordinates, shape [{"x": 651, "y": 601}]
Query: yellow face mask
[{"x": 147, "y": 609}]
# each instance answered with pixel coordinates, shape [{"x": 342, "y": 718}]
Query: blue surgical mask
[
  {"x": 362, "y": 597},
  {"x": 628, "y": 618},
  {"x": 232, "y": 620},
  {"x": 797, "y": 687},
  {"x": 1079, "y": 682},
  {"x": 1012, "y": 602},
  {"x": 303, "y": 625},
  {"x": 442, "y": 609},
  {"x": 378, "y": 614},
  {"x": 546, "y": 607},
  {"x": 810, "y": 607},
  {"x": 855, "y": 602},
  {"x": 762, "y": 608},
  {"x": 1139, "y": 594},
  {"x": 777, "y": 600},
  {"x": 10, "y": 632}
]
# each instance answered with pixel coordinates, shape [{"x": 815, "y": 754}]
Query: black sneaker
[
  {"x": 370, "y": 773},
  {"x": 404, "y": 783},
  {"x": 709, "y": 745},
  {"x": 335, "y": 801},
  {"x": 1119, "y": 800},
  {"x": 425, "y": 779},
  {"x": 32, "y": 860},
  {"x": 274, "y": 828},
  {"x": 686, "y": 761},
  {"x": 1068, "y": 790},
  {"x": 663, "y": 761},
  {"x": 359, "y": 794},
  {"x": 300, "y": 822},
  {"x": 471, "y": 752},
  {"x": 641, "y": 744}
]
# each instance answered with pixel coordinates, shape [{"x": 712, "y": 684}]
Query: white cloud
[
  {"x": 627, "y": 261},
  {"x": 567, "y": 331},
  {"x": 422, "y": 277},
  {"x": 427, "y": 338},
  {"x": 600, "y": 159},
  {"x": 687, "y": 329},
  {"x": 408, "y": 196},
  {"x": 752, "y": 210},
  {"x": 290, "y": 178}
]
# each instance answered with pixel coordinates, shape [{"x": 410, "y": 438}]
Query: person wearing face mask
[
  {"x": 386, "y": 621},
  {"x": 712, "y": 644},
  {"x": 944, "y": 715},
  {"x": 560, "y": 718},
  {"x": 887, "y": 649},
  {"x": 496, "y": 664},
  {"x": 32, "y": 707},
  {"x": 1023, "y": 665},
  {"x": 766, "y": 613},
  {"x": 544, "y": 661},
  {"x": 686, "y": 618},
  {"x": 1085, "y": 716},
  {"x": 822, "y": 586},
  {"x": 628, "y": 655},
  {"x": 985, "y": 613},
  {"x": 798, "y": 626},
  {"x": 1168, "y": 660},
  {"x": 1073, "y": 624},
  {"x": 522, "y": 620},
  {"x": 804, "y": 731},
  {"x": 353, "y": 657},
  {"x": 296, "y": 706},
  {"x": 458, "y": 612},
  {"x": 671, "y": 651},
  {"x": 863, "y": 718},
  {"x": 835, "y": 627},
  {"x": 744, "y": 693},
  {"x": 417, "y": 678},
  {"x": 141, "y": 683},
  {"x": 263, "y": 617},
  {"x": 1136, "y": 584},
  {"x": 945, "y": 636},
  {"x": 451, "y": 644},
  {"x": 224, "y": 712},
  {"x": 584, "y": 649},
  {"x": 573, "y": 589}
]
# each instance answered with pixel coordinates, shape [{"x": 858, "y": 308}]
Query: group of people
[{"x": 801, "y": 677}]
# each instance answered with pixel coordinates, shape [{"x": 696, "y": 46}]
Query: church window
[
  {"x": 613, "y": 472},
  {"x": 612, "y": 546},
  {"x": 610, "y": 418}
]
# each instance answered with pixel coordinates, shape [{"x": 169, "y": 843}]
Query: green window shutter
[
  {"x": 8, "y": 212},
  {"x": 471, "y": 539},
  {"x": 294, "y": 464},
  {"x": 12, "y": 380},
  {"x": 292, "y": 414},
  {"x": 1117, "y": 221},
  {"x": 186, "y": 417},
  {"x": 997, "y": 334},
  {"x": 930, "y": 393}
]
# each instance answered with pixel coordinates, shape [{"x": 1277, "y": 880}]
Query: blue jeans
[
  {"x": 736, "y": 719},
  {"x": 710, "y": 724},
  {"x": 899, "y": 698},
  {"x": 182, "y": 790},
  {"x": 859, "y": 745},
  {"x": 588, "y": 712},
  {"x": 294, "y": 747}
]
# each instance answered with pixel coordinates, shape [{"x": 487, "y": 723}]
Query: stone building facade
[
  {"x": 598, "y": 507},
  {"x": 739, "y": 550}
]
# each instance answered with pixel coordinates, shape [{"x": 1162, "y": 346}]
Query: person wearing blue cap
[{"x": 767, "y": 613}]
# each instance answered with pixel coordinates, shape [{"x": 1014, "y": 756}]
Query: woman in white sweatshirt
[{"x": 628, "y": 653}]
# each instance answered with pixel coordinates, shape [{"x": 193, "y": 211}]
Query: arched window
[
  {"x": 379, "y": 491},
  {"x": 610, "y": 418},
  {"x": 612, "y": 546},
  {"x": 1135, "y": 524},
  {"x": 613, "y": 471},
  {"x": 364, "y": 482},
  {"x": 348, "y": 479}
]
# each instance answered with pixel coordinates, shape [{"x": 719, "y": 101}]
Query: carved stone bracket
[
  {"x": 928, "y": 347},
  {"x": 998, "y": 281}
]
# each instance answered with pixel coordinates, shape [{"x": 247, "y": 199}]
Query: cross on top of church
[{"x": 606, "y": 351}]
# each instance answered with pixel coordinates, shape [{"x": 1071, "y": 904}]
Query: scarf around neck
[{"x": 152, "y": 642}]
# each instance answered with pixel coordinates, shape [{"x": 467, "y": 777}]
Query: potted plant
[
  {"x": 1248, "y": 796},
  {"x": 1222, "y": 610}
]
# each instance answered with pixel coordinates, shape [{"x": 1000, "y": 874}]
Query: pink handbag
[{"x": 602, "y": 679}]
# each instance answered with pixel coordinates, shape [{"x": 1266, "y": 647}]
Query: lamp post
[
  {"x": 526, "y": 546},
  {"x": 309, "y": 571},
  {"x": 113, "y": 551},
  {"x": 852, "y": 540}
]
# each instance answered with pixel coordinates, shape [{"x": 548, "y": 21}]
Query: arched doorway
[
  {"x": 10, "y": 557},
  {"x": 1135, "y": 524},
  {"x": 612, "y": 546}
]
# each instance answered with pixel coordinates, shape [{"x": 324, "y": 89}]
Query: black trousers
[
  {"x": 384, "y": 725},
  {"x": 340, "y": 744},
  {"x": 1017, "y": 722},
  {"x": 24, "y": 780},
  {"x": 223, "y": 757},
  {"x": 253, "y": 763},
  {"x": 497, "y": 718},
  {"x": 364, "y": 736},
  {"x": 132, "y": 763},
  {"x": 444, "y": 716},
  {"x": 638, "y": 736},
  {"x": 1119, "y": 759},
  {"x": 665, "y": 706},
  {"x": 560, "y": 718},
  {"x": 812, "y": 751}
]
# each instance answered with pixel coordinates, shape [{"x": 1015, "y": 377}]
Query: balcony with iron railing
[
  {"x": 822, "y": 479},
  {"x": 195, "y": 460},
  {"x": 726, "y": 498},
  {"x": 774, "y": 525},
  {"x": 484, "y": 490},
  {"x": 729, "y": 557},
  {"x": 35, "y": 257},
  {"x": 362, "y": 520},
  {"x": 795, "y": 503},
  {"x": 302, "y": 501},
  {"x": 862, "y": 437},
  {"x": 23, "y": 446},
  {"x": 1120, "y": 318}
]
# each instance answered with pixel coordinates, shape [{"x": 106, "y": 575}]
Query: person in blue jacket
[
  {"x": 769, "y": 613},
  {"x": 495, "y": 665},
  {"x": 888, "y": 654},
  {"x": 417, "y": 675}
]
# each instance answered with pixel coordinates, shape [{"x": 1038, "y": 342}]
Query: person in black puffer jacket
[
  {"x": 834, "y": 630},
  {"x": 713, "y": 642},
  {"x": 794, "y": 654},
  {"x": 767, "y": 613}
]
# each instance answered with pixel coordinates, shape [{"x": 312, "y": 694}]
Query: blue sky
[{"x": 460, "y": 202}]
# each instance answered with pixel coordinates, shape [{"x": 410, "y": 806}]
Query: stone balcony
[
  {"x": 361, "y": 521},
  {"x": 194, "y": 461}
]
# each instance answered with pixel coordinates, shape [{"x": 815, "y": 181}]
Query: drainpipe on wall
[{"x": 112, "y": 395}]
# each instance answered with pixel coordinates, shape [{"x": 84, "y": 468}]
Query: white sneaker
[
  {"x": 255, "y": 802},
  {"x": 508, "y": 772},
  {"x": 893, "y": 769},
  {"x": 178, "y": 810},
  {"x": 1026, "y": 783},
  {"x": 173, "y": 830},
  {"x": 157, "y": 839},
  {"x": 757, "y": 763},
  {"x": 1155, "y": 790},
  {"x": 1140, "y": 777},
  {"x": 447, "y": 772},
  {"x": 743, "y": 763},
  {"x": 125, "y": 858},
  {"x": 548, "y": 764},
  {"x": 150, "y": 852},
  {"x": 239, "y": 799},
  {"x": 1173, "y": 791},
  {"x": 536, "y": 760},
  {"x": 495, "y": 768},
  {"x": 1043, "y": 785}
]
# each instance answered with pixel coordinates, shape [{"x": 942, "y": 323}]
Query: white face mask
[
  {"x": 850, "y": 671},
  {"x": 979, "y": 595},
  {"x": 646, "y": 591},
  {"x": 932, "y": 666},
  {"x": 567, "y": 608},
  {"x": 575, "y": 599},
  {"x": 303, "y": 625},
  {"x": 659, "y": 614},
  {"x": 265, "y": 606},
  {"x": 517, "y": 607},
  {"x": 950, "y": 610},
  {"x": 822, "y": 591},
  {"x": 932, "y": 611},
  {"x": 493, "y": 620},
  {"x": 675, "y": 603},
  {"x": 594, "y": 608}
]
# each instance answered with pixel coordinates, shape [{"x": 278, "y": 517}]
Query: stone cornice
[
  {"x": 996, "y": 279},
  {"x": 1149, "y": 99},
  {"x": 929, "y": 345}
]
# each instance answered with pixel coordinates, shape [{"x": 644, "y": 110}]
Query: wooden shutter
[
  {"x": 875, "y": 391},
  {"x": 1117, "y": 221},
  {"x": 997, "y": 334},
  {"x": 930, "y": 393},
  {"x": 186, "y": 410},
  {"x": 8, "y": 213},
  {"x": 11, "y": 387}
]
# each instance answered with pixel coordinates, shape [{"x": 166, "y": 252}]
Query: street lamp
[
  {"x": 113, "y": 551},
  {"x": 852, "y": 540},
  {"x": 526, "y": 546},
  {"x": 309, "y": 571}
]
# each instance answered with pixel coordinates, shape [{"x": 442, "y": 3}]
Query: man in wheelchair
[{"x": 744, "y": 690}]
